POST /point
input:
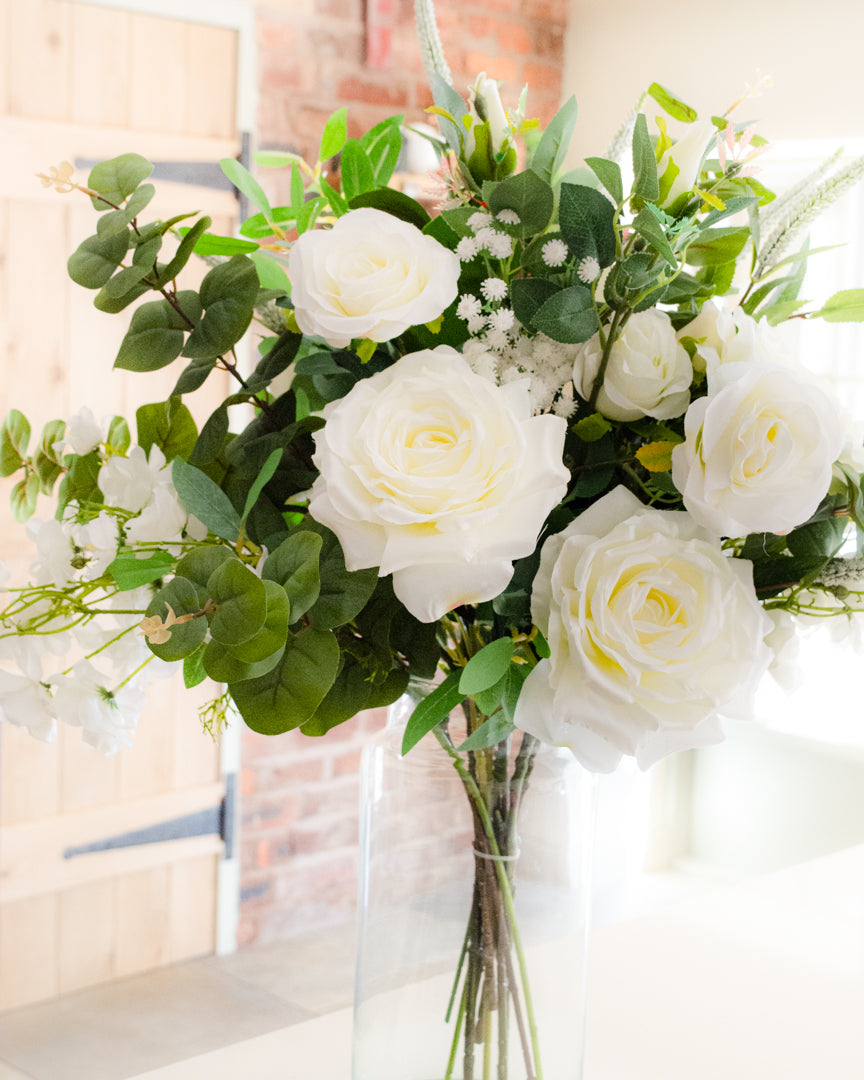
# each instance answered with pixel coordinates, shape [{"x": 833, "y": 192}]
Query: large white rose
[
  {"x": 439, "y": 477},
  {"x": 758, "y": 451},
  {"x": 652, "y": 632},
  {"x": 370, "y": 276},
  {"x": 648, "y": 374}
]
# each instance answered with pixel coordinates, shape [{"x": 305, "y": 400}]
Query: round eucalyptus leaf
[
  {"x": 223, "y": 665},
  {"x": 273, "y": 633},
  {"x": 241, "y": 603},
  {"x": 200, "y": 563},
  {"x": 182, "y": 596}
]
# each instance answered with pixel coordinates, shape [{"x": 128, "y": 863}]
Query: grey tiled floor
[{"x": 117, "y": 1031}]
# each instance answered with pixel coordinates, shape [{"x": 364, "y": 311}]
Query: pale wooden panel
[
  {"x": 87, "y": 935},
  {"x": 32, "y": 854},
  {"x": 148, "y": 769},
  {"x": 99, "y": 65},
  {"x": 5, "y": 48},
  {"x": 211, "y": 67},
  {"x": 143, "y": 921},
  {"x": 29, "y": 780},
  {"x": 39, "y": 67},
  {"x": 193, "y": 908},
  {"x": 35, "y": 378},
  {"x": 158, "y": 77},
  {"x": 28, "y": 951},
  {"x": 196, "y": 754},
  {"x": 89, "y": 779}
]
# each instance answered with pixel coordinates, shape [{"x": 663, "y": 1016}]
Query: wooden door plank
[
  {"x": 39, "y": 68},
  {"x": 192, "y": 908},
  {"x": 89, "y": 779},
  {"x": 211, "y": 67},
  {"x": 157, "y": 74},
  {"x": 29, "y": 780},
  {"x": 143, "y": 921},
  {"x": 87, "y": 935},
  {"x": 28, "y": 951},
  {"x": 99, "y": 91},
  {"x": 196, "y": 753},
  {"x": 148, "y": 769}
]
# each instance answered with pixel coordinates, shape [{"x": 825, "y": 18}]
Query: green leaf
[
  {"x": 244, "y": 181},
  {"x": 568, "y": 316},
  {"x": 117, "y": 178},
  {"x": 383, "y": 145},
  {"x": 389, "y": 690},
  {"x": 193, "y": 375},
  {"x": 14, "y": 437},
  {"x": 298, "y": 188},
  {"x": 193, "y": 668},
  {"x": 131, "y": 572},
  {"x": 273, "y": 633},
  {"x": 529, "y": 196},
  {"x": 490, "y": 732},
  {"x": 586, "y": 218},
  {"x": 156, "y": 332},
  {"x": 265, "y": 474},
  {"x": 355, "y": 170},
  {"x": 198, "y": 564},
  {"x": 734, "y": 205},
  {"x": 211, "y": 439},
  {"x": 186, "y": 637},
  {"x": 343, "y": 593},
  {"x": 125, "y": 280},
  {"x": 168, "y": 425},
  {"x": 713, "y": 247},
  {"x": 111, "y": 305},
  {"x": 211, "y": 244},
  {"x": 241, "y": 600},
  {"x": 294, "y": 565},
  {"x": 288, "y": 695},
  {"x": 672, "y": 104},
  {"x": 844, "y": 306},
  {"x": 206, "y": 500},
  {"x": 308, "y": 214},
  {"x": 116, "y": 221},
  {"x": 223, "y": 665},
  {"x": 80, "y": 482},
  {"x": 548, "y": 158},
  {"x": 348, "y": 695},
  {"x": 645, "y": 183},
  {"x": 609, "y": 175},
  {"x": 270, "y": 272},
  {"x": 23, "y": 498},
  {"x": 228, "y": 294},
  {"x": 591, "y": 428},
  {"x": 96, "y": 259},
  {"x": 187, "y": 245},
  {"x": 393, "y": 202},
  {"x": 334, "y": 134},
  {"x": 486, "y": 667},
  {"x": 446, "y": 98},
  {"x": 432, "y": 710},
  {"x": 650, "y": 229},
  {"x": 528, "y": 295}
]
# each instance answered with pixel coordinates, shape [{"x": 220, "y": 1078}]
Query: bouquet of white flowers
[{"x": 544, "y": 444}]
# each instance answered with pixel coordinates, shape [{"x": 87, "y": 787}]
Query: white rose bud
[
  {"x": 648, "y": 374},
  {"x": 652, "y": 631},
  {"x": 499, "y": 129},
  {"x": 758, "y": 450},
  {"x": 732, "y": 336},
  {"x": 434, "y": 474},
  {"x": 370, "y": 276},
  {"x": 686, "y": 154}
]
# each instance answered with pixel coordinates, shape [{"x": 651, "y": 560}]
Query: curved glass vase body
[{"x": 474, "y": 886}]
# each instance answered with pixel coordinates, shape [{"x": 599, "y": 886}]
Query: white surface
[{"x": 749, "y": 982}]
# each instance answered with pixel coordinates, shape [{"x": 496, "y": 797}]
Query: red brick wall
[{"x": 299, "y": 795}]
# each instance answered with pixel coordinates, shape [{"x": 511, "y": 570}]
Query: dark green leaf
[
  {"x": 650, "y": 229},
  {"x": 348, "y": 695},
  {"x": 568, "y": 316},
  {"x": 389, "y": 690},
  {"x": 187, "y": 245},
  {"x": 168, "y": 425},
  {"x": 206, "y": 500},
  {"x": 79, "y": 484},
  {"x": 156, "y": 332},
  {"x": 117, "y": 178},
  {"x": 96, "y": 258},
  {"x": 273, "y": 633},
  {"x": 198, "y": 564},
  {"x": 131, "y": 572},
  {"x": 528, "y": 295},
  {"x": 586, "y": 218},
  {"x": 343, "y": 593},
  {"x": 241, "y": 600},
  {"x": 393, "y": 202},
  {"x": 548, "y": 158},
  {"x": 609, "y": 175},
  {"x": 228, "y": 294},
  {"x": 486, "y": 667},
  {"x": 529, "y": 196},
  {"x": 288, "y": 695},
  {"x": 212, "y": 438},
  {"x": 294, "y": 565},
  {"x": 713, "y": 247},
  {"x": 193, "y": 375},
  {"x": 222, "y": 664},
  {"x": 432, "y": 710},
  {"x": 182, "y": 596},
  {"x": 264, "y": 476},
  {"x": 645, "y": 183}
]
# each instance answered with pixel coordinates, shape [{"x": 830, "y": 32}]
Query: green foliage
[
  {"x": 181, "y": 597},
  {"x": 568, "y": 316},
  {"x": 393, "y": 202},
  {"x": 241, "y": 602},
  {"x": 295, "y": 566},
  {"x": 14, "y": 439},
  {"x": 528, "y": 195},
  {"x": 210, "y": 244},
  {"x": 343, "y": 593},
  {"x": 334, "y": 134},
  {"x": 672, "y": 104},
  {"x": 716, "y": 246},
  {"x": 486, "y": 667},
  {"x": 157, "y": 331},
  {"x": 96, "y": 259},
  {"x": 206, "y": 500},
  {"x": 586, "y": 219},
  {"x": 645, "y": 182},
  {"x": 131, "y": 571},
  {"x": 844, "y": 306},
  {"x": 434, "y": 708},
  {"x": 244, "y": 181},
  {"x": 116, "y": 179},
  {"x": 382, "y": 145},
  {"x": 489, "y": 733},
  {"x": 528, "y": 295},
  {"x": 228, "y": 294},
  {"x": 80, "y": 482},
  {"x": 355, "y": 171},
  {"x": 609, "y": 175},
  {"x": 647, "y": 224},
  {"x": 168, "y": 425},
  {"x": 548, "y": 157}
]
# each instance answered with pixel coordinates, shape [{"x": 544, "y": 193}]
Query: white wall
[{"x": 708, "y": 52}]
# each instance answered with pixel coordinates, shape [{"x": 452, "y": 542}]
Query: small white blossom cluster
[
  {"x": 486, "y": 237},
  {"x": 507, "y": 355}
]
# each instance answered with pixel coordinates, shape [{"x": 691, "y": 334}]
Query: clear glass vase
[{"x": 474, "y": 897}]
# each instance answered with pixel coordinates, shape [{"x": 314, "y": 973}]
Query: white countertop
[{"x": 758, "y": 981}]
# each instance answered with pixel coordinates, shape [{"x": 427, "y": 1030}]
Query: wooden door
[{"x": 88, "y": 82}]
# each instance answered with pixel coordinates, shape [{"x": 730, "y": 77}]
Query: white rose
[
  {"x": 733, "y": 336},
  {"x": 758, "y": 451},
  {"x": 648, "y": 374},
  {"x": 370, "y": 276},
  {"x": 686, "y": 154},
  {"x": 439, "y": 477},
  {"x": 652, "y": 631}
]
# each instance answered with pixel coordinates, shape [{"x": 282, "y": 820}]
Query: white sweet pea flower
[
  {"x": 97, "y": 541},
  {"x": 54, "y": 553},
  {"x": 733, "y": 336},
  {"x": 652, "y": 632},
  {"x": 758, "y": 450},
  {"x": 129, "y": 482},
  {"x": 686, "y": 154},
  {"x": 82, "y": 700},
  {"x": 25, "y": 702},
  {"x": 83, "y": 433},
  {"x": 161, "y": 521},
  {"x": 648, "y": 374},
  {"x": 433, "y": 474},
  {"x": 370, "y": 276}
]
